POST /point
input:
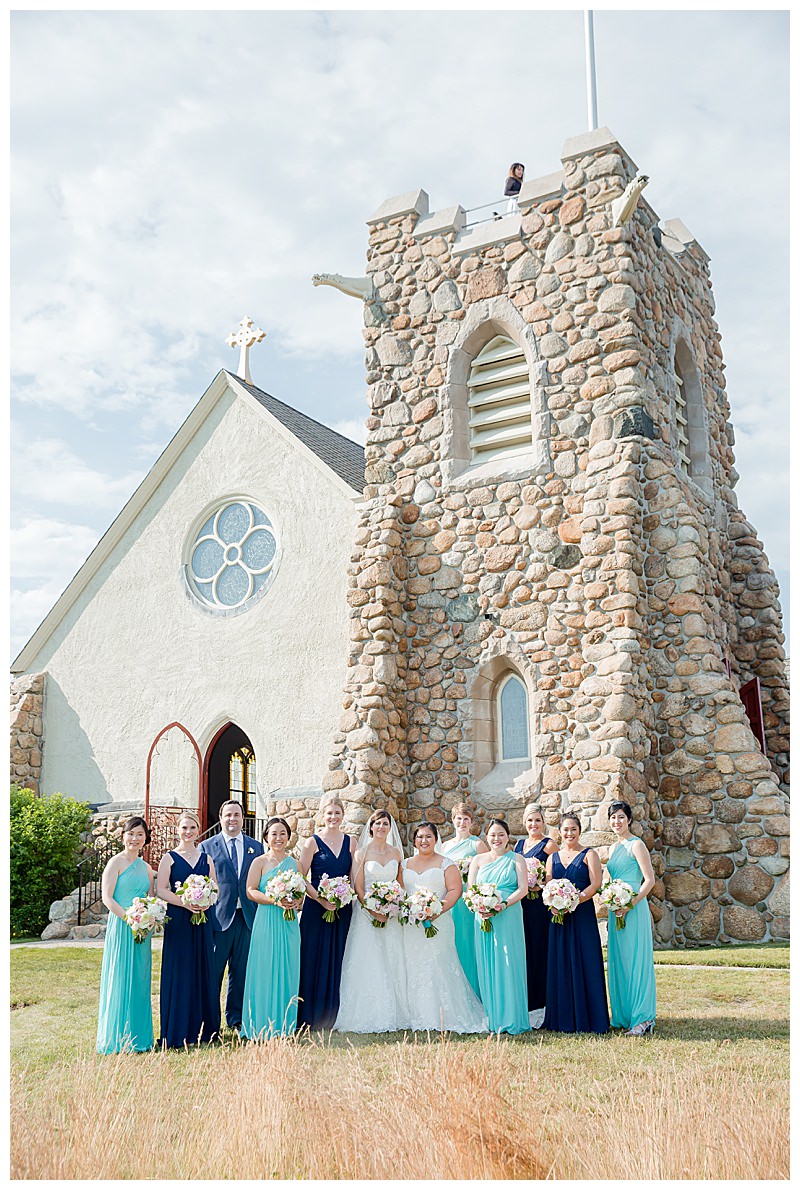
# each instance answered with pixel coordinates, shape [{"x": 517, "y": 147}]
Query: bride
[
  {"x": 372, "y": 998},
  {"x": 438, "y": 992}
]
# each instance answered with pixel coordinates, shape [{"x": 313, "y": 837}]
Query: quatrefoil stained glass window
[{"x": 233, "y": 558}]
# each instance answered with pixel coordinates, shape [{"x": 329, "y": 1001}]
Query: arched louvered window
[
  {"x": 499, "y": 401},
  {"x": 681, "y": 423},
  {"x": 513, "y": 736}
]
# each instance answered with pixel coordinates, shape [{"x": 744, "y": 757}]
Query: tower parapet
[{"x": 554, "y": 596}]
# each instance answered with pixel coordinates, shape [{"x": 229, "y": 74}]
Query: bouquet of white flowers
[
  {"x": 145, "y": 916},
  {"x": 421, "y": 905},
  {"x": 198, "y": 893},
  {"x": 484, "y": 896},
  {"x": 616, "y": 895},
  {"x": 560, "y": 897},
  {"x": 537, "y": 874},
  {"x": 385, "y": 896},
  {"x": 464, "y": 866},
  {"x": 286, "y": 886},
  {"x": 337, "y": 890}
]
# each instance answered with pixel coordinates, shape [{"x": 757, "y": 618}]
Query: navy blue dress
[
  {"x": 536, "y": 920},
  {"x": 576, "y": 986},
  {"x": 322, "y": 943},
  {"x": 189, "y": 998}
]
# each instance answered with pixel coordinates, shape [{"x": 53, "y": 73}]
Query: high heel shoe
[{"x": 647, "y": 1027}]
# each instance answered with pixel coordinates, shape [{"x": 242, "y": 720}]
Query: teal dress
[
  {"x": 500, "y": 954},
  {"x": 463, "y": 921},
  {"x": 272, "y": 979},
  {"x": 631, "y": 974},
  {"x": 125, "y": 1017}
]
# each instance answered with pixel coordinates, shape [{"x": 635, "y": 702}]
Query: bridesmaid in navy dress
[
  {"x": 189, "y": 999},
  {"x": 535, "y": 917},
  {"x": 576, "y": 987},
  {"x": 328, "y": 853}
]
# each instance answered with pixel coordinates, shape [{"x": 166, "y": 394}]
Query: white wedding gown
[
  {"x": 438, "y": 993},
  {"x": 372, "y": 996}
]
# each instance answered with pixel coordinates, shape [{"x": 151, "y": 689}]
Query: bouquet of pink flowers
[
  {"x": 537, "y": 874},
  {"x": 385, "y": 896},
  {"x": 560, "y": 897},
  {"x": 464, "y": 866},
  {"x": 286, "y": 886},
  {"x": 145, "y": 916},
  {"x": 337, "y": 890},
  {"x": 198, "y": 893},
  {"x": 616, "y": 895},
  {"x": 484, "y": 896},
  {"x": 421, "y": 905}
]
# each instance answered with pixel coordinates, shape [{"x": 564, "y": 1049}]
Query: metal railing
[
  {"x": 90, "y": 871},
  {"x": 498, "y": 209}
]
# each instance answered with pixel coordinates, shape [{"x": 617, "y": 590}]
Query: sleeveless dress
[
  {"x": 125, "y": 1016},
  {"x": 500, "y": 954},
  {"x": 462, "y": 918},
  {"x": 631, "y": 974},
  {"x": 536, "y": 920},
  {"x": 272, "y": 979},
  {"x": 576, "y": 989},
  {"x": 373, "y": 988},
  {"x": 322, "y": 943},
  {"x": 189, "y": 997},
  {"x": 438, "y": 992}
]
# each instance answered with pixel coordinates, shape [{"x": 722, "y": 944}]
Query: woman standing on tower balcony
[
  {"x": 500, "y": 950},
  {"x": 631, "y": 974},
  {"x": 576, "y": 988},
  {"x": 464, "y": 845},
  {"x": 513, "y": 186},
  {"x": 535, "y": 916},
  {"x": 329, "y": 852}
]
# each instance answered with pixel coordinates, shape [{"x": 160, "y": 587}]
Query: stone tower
[{"x": 550, "y": 520}]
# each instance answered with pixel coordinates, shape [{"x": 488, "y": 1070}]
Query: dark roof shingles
[{"x": 344, "y": 457}]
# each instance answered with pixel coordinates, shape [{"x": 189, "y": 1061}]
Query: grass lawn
[{"x": 707, "y": 1097}]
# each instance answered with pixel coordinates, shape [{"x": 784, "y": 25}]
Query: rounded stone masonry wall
[{"x": 27, "y": 730}]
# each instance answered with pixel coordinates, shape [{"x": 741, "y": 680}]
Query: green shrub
[{"x": 44, "y": 841}]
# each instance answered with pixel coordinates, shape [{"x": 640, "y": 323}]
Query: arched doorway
[{"x": 230, "y": 772}]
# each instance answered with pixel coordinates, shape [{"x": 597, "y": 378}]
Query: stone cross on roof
[{"x": 247, "y": 334}]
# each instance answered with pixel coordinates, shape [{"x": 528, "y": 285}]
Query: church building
[{"x": 534, "y": 584}]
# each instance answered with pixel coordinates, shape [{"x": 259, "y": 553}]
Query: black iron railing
[{"x": 90, "y": 871}]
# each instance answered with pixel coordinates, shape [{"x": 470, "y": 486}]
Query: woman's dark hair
[
  {"x": 624, "y": 807},
  {"x": 427, "y": 826},
  {"x": 271, "y": 822},
  {"x": 131, "y": 823},
  {"x": 376, "y": 816},
  {"x": 514, "y": 165},
  {"x": 498, "y": 822},
  {"x": 566, "y": 818}
]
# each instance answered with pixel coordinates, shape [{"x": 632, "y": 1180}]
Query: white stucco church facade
[{"x": 201, "y": 649}]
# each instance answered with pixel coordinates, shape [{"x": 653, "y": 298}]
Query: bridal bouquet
[
  {"x": 421, "y": 905},
  {"x": 144, "y": 916},
  {"x": 286, "y": 886},
  {"x": 337, "y": 890},
  {"x": 616, "y": 895},
  {"x": 560, "y": 897},
  {"x": 385, "y": 896},
  {"x": 483, "y": 896},
  {"x": 537, "y": 874},
  {"x": 198, "y": 893}
]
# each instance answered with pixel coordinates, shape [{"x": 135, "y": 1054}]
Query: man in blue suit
[{"x": 232, "y": 852}]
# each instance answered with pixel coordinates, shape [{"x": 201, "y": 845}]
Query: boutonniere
[{"x": 250, "y": 851}]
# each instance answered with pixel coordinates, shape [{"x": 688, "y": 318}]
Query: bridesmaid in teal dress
[
  {"x": 464, "y": 845},
  {"x": 125, "y": 1018},
  {"x": 500, "y": 952},
  {"x": 631, "y": 973},
  {"x": 272, "y": 979}
]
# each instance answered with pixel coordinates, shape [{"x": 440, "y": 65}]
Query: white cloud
[
  {"x": 352, "y": 428},
  {"x": 41, "y": 546},
  {"x": 46, "y": 470}
]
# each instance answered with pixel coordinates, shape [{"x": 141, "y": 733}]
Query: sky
[{"x": 174, "y": 171}]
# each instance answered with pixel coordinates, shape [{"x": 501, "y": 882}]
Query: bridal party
[{"x": 468, "y": 935}]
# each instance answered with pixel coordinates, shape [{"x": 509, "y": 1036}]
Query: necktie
[{"x": 232, "y": 846}]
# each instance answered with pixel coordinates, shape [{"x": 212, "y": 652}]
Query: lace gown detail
[
  {"x": 439, "y": 995},
  {"x": 372, "y": 996}
]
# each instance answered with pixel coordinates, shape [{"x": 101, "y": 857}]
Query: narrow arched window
[
  {"x": 690, "y": 436},
  {"x": 499, "y": 400},
  {"x": 681, "y": 423},
  {"x": 512, "y": 703},
  {"x": 242, "y": 773}
]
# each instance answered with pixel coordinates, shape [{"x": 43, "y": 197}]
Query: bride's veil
[{"x": 393, "y": 838}]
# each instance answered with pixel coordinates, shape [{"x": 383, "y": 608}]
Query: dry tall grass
[{"x": 409, "y": 1110}]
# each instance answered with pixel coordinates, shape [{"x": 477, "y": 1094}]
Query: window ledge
[{"x": 508, "y": 784}]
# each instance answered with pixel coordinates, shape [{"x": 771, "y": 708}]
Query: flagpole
[{"x": 591, "y": 77}]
